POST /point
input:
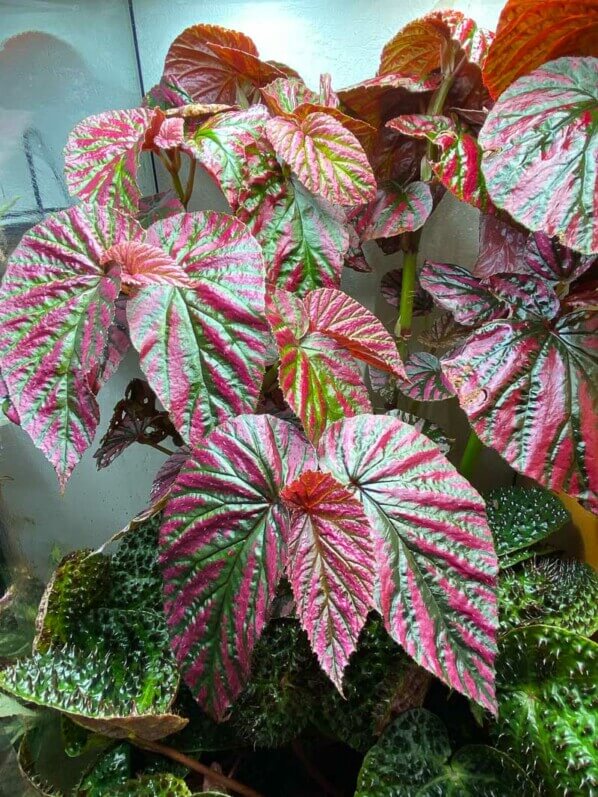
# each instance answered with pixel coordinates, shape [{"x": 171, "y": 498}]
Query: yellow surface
[{"x": 587, "y": 525}]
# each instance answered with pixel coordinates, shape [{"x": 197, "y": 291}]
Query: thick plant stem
[
  {"x": 403, "y": 325},
  {"x": 197, "y": 766},
  {"x": 434, "y": 108},
  {"x": 172, "y": 166},
  {"x": 473, "y": 447}
]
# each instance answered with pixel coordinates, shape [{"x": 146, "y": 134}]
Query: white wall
[{"x": 77, "y": 58}]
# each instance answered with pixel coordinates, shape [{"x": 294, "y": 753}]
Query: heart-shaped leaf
[
  {"x": 234, "y": 149},
  {"x": 529, "y": 391},
  {"x": 424, "y": 45},
  {"x": 394, "y": 211},
  {"x": 284, "y": 95},
  {"x": 413, "y": 759},
  {"x": 304, "y": 238},
  {"x": 102, "y": 154},
  {"x": 331, "y": 567},
  {"x": 426, "y": 381},
  {"x": 435, "y": 556},
  {"x": 57, "y": 305},
  {"x": 325, "y": 156},
  {"x": 222, "y": 550},
  {"x": 319, "y": 379},
  {"x": 214, "y": 328},
  {"x": 218, "y": 65},
  {"x": 531, "y": 33},
  {"x": 547, "y": 699},
  {"x": 458, "y": 161},
  {"x": 540, "y": 148},
  {"x": 317, "y": 338},
  {"x": 521, "y": 517},
  {"x": 456, "y": 289}
]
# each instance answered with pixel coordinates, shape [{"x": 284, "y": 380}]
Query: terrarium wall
[{"x": 61, "y": 60}]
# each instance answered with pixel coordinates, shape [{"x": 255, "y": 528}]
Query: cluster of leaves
[{"x": 254, "y": 359}]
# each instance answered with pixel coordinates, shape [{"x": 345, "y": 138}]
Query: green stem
[
  {"x": 190, "y": 181},
  {"x": 173, "y": 171},
  {"x": 473, "y": 448},
  {"x": 434, "y": 108},
  {"x": 403, "y": 325}
]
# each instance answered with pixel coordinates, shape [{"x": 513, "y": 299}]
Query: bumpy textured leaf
[
  {"x": 119, "y": 679},
  {"x": 413, "y": 759},
  {"x": 434, "y": 549},
  {"x": 458, "y": 161},
  {"x": 364, "y": 132},
  {"x": 135, "y": 419},
  {"x": 548, "y": 697},
  {"x": 304, "y": 238},
  {"x": 553, "y": 262},
  {"x": 531, "y": 33},
  {"x": 158, "y": 785},
  {"x": 527, "y": 295},
  {"x": 540, "y": 147},
  {"x": 203, "y": 348},
  {"x": 457, "y": 290},
  {"x": 331, "y": 567},
  {"x": 57, "y": 304},
  {"x": 319, "y": 379},
  {"x": 234, "y": 149},
  {"x": 559, "y": 592},
  {"x": 325, "y": 156},
  {"x": 102, "y": 154},
  {"x": 283, "y": 95},
  {"x": 391, "y": 287},
  {"x": 520, "y": 517},
  {"x": 143, "y": 263},
  {"x": 421, "y": 46},
  {"x": 218, "y": 65},
  {"x": 530, "y": 392},
  {"x": 426, "y": 381},
  {"x": 394, "y": 211},
  {"x": 222, "y": 550}
]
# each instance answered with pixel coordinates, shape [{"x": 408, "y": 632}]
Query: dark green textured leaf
[
  {"x": 548, "y": 707},
  {"x": 520, "y": 517},
  {"x": 413, "y": 759},
  {"x": 163, "y": 785},
  {"x": 561, "y": 592},
  {"x": 112, "y": 770}
]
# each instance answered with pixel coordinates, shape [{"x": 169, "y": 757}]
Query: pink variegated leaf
[
  {"x": 426, "y": 381},
  {"x": 143, "y": 263},
  {"x": 102, "y": 155},
  {"x": 364, "y": 132},
  {"x": 457, "y": 290},
  {"x": 330, "y": 567},
  {"x": 529, "y": 389},
  {"x": 222, "y": 550},
  {"x": 394, "y": 211},
  {"x": 168, "y": 474},
  {"x": 391, "y": 286},
  {"x": 283, "y": 95},
  {"x": 218, "y": 65},
  {"x": 203, "y": 347},
  {"x": 234, "y": 150},
  {"x": 158, "y": 206},
  {"x": 554, "y": 262},
  {"x": 118, "y": 344},
  {"x": 8, "y": 412},
  {"x": 431, "y": 430},
  {"x": 328, "y": 95},
  {"x": 318, "y": 377},
  {"x": 458, "y": 164},
  {"x": 540, "y": 144},
  {"x": 325, "y": 156},
  {"x": 355, "y": 257},
  {"x": 444, "y": 333},
  {"x": 527, "y": 295},
  {"x": 304, "y": 238},
  {"x": 167, "y": 94},
  {"x": 57, "y": 306},
  {"x": 434, "y": 552},
  {"x": 432, "y": 42},
  {"x": 502, "y": 248},
  {"x": 335, "y": 314},
  {"x": 170, "y": 134}
]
